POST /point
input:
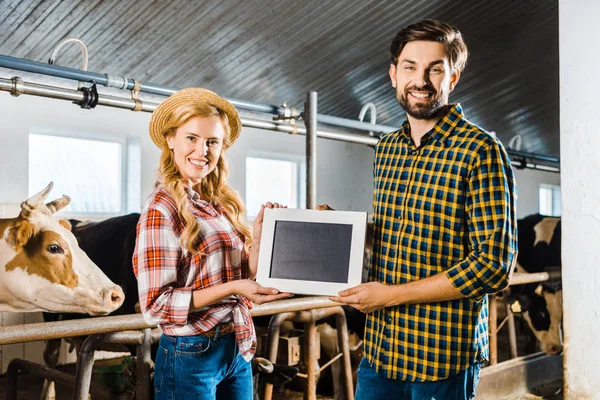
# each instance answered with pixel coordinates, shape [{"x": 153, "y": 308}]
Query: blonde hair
[{"x": 214, "y": 187}]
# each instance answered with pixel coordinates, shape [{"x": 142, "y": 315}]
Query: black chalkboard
[{"x": 311, "y": 251}]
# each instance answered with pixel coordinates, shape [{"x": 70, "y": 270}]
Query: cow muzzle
[
  {"x": 112, "y": 298},
  {"x": 552, "y": 349}
]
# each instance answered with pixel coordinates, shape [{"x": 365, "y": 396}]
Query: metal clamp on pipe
[
  {"x": 119, "y": 82},
  {"x": 90, "y": 97},
  {"x": 18, "y": 86},
  {"x": 290, "y": 114},
  {"x": 135, "y": 95}
]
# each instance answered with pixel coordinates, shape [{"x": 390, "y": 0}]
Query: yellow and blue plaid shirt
[{"x": 447, "y": 206}]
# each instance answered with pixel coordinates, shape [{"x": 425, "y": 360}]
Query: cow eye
[{"x": 55, "y": 249}]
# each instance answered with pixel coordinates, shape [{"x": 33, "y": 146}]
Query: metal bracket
[
  {"x": 90, "y": 97},
  {"x": 290, "y": 114},
  {"x": 18, "y": 86},
  {"x": 135, "y": 95}
]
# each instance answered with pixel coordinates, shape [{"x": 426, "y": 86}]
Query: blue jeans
[
  {"x": 374, "y": 386},
  {"x": 198, "y": 367}
]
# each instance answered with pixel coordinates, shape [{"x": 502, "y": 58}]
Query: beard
[{"x": 428, "y": 109}]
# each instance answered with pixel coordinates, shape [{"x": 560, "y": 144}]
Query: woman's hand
[
  {"x": 258, "y": 221},
  {"x": 258, "y": 294}
]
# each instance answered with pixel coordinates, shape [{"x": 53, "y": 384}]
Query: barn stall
[{"x": 346, "y": 191}]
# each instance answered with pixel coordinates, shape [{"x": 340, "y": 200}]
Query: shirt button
[
  {"x": 392, "y": 252},
  {"x": 400, "y": 216},
  {"x": 413, "y": 152},
  {"x": 388, "y": 319}
]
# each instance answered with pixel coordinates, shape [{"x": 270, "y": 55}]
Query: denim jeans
[
  {"x": 374, "y": 386},
  {"x": 198, "y": 367}
]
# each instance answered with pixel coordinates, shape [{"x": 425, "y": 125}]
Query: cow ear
[
  {"x": 66, "y": 224},
  {"x": 20, "y": 234}
]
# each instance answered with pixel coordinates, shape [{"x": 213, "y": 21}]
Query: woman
[{"x": 195, "y": 260}]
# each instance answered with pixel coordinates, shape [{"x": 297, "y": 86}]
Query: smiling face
[
  {"x": 197, "y": 147},
  {"x": 423, "y": 79}
]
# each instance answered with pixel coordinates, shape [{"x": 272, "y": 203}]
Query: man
[{"x": 444, "y": 231}]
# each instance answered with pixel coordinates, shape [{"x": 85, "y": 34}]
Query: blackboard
[{"x": 311, "y": 251}]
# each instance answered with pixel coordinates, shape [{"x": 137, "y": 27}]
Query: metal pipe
[
  {"x": 273, "y": 346},
  {"x": 80, "y": 327},
  {"x": 128, "y": 84},
  {"x": 85, "y": 364},
  {"x": 41, "y": 90},
  {"x": 143, "y": 389},
  {"x": 119, "y": 102},
  {"x": 97, "y": 390},
  {"x": 54, "y": 92},
  {"x": 310, "y": 356},
  {"x": 83, "y": 327},
  {"x": 521, "y": 278},
  {"x": 493, "y": 330},
  {"x": 354, "y": 124},
  {"x": 512, "y": 333},
  {"x": 310, "y": 121},
  {"x": 344, "y": 344},
  {"x": 534, "y": 156},
  {"x": 293, "y": 129},
  {"x": 295, "y": 304},
  {"x": 104, "y": 80}
]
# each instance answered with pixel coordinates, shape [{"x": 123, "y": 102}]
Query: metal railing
[
  {"x": 518, "y": 278},
  {"x": 88, "y": 326}
]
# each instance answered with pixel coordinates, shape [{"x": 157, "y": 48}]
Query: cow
[
  {"x": 540, "y": 303},
  {"x": 110, "y": 244},
  {"x": 43, "y": 269}
]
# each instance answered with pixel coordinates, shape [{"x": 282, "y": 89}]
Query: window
[
  {"x": 550, "y": 203},
  {"x": 274, "y": 178},
  {"x": 95, "y": 172}
]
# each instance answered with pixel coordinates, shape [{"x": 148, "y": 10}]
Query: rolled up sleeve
[
  {"x": 492, "y": 223},
  {"x": 156, "y": 258}
]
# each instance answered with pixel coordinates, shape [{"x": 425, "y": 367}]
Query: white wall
[
  {"x": 528, "y": 182},
  {"x": 579, "y": 118}
]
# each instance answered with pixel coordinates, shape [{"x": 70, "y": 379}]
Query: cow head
[
  {"x": 543, "y": 312},
  {"x": 43, "y": 269}
]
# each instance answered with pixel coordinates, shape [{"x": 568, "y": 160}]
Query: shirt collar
[
  {"x": 441, "y": 130},
  {"x": 197, "y": 202}
]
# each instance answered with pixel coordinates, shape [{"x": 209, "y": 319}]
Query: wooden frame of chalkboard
[{"x": 311, "y": 252}]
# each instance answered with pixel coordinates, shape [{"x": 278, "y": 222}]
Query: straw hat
[{"x": 161, "y": 115}]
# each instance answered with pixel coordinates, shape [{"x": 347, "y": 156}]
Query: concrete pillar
[{"x": 579, "y": 33}]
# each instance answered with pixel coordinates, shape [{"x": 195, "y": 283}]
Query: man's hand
[
  {"x": 366, "y": 297},
  {"x": 258, "y": 294}
]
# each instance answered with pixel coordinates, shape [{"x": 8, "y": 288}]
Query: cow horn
[
  {"x": 58, "y": 204},
  {"x": 35, "y": 201}
]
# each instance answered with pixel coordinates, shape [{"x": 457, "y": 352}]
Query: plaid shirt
[
  {"x": 168, "y": 274},
  {"x": 448, "y": 206}
]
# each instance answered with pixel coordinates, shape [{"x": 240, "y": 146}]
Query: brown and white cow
[{"x": 43, "y": 269}]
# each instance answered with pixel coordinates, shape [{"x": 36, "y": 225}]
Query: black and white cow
[{"x": 541, "y": 303}]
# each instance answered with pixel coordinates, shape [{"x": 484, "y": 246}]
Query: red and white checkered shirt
[{"x": 168, "y": 274}]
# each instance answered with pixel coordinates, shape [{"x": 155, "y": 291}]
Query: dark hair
[{"x": 434, "y": 31}]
